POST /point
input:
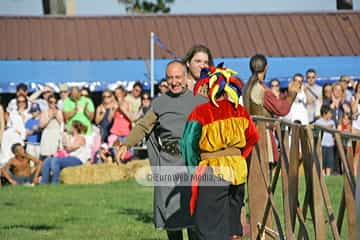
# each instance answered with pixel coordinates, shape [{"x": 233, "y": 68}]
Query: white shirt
[
  {"x": 327, "y": 139},
  {"x": 315, "y": 93},
  {"x": 83, "y": 152},
  {"x": 298, "y": 109}
]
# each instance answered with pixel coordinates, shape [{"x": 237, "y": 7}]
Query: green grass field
[{"x": 121, "y": 210}]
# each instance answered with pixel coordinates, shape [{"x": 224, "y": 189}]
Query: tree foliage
[{"x": 144, "y": 6}]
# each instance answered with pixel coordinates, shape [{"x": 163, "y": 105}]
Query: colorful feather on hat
[{"x": 220, "y": 79}]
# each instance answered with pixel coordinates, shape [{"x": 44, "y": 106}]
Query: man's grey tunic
[{"x": 171, "y": 203}]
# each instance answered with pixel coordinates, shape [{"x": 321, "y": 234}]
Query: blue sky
[{"x": 112, "y": 7}]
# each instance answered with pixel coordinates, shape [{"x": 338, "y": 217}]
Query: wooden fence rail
[{"x": 298, "y": 145}]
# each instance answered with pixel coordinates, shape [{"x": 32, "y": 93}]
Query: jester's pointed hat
[{"x": 220, "y": 79}]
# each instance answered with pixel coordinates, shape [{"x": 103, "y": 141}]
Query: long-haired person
[
  {"x": 104, "y": 113},
  {"x": 259, "y": 100},
  {"x": 197, "y": 58},
  {"x": 78, "y": 150}
]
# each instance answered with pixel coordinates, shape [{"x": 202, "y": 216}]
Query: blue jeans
[
  {"x": 22, "y": 179},
  {"x": 55, "y": 165}
]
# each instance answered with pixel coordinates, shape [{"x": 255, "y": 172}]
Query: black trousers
[
  {"x": 178, "y": 235},
  {"x": 218, "y": 211}
]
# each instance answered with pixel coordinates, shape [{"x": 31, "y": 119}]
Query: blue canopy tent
[{"x": 99, "y": 75}]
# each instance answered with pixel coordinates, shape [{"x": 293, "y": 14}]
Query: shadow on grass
[
  {"x": 8, "y": 204},
  {"x": 140, "y": 215},
  {"x": 40, "y": 227}
]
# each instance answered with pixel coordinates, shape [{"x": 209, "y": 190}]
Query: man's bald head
[{"x": 176, "y": 76}]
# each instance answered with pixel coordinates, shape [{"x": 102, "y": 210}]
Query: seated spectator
[
  {"x": 18, "y": 170},
  {"x": 77, "y": 107},
  {"x": 327, "y": 142},
  {"x": 33, "y": 131},
  {"x": 94, "y": 142},
  {"x": 104, "y": 155},
  {"x": 78, "y": 150}
]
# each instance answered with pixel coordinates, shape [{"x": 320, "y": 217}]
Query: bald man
[{"x": 164, "y": 125}]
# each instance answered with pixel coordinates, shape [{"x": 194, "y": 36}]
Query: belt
[
  {"x": 225, "y": 152},
  {"x": 171, "y": 148}
]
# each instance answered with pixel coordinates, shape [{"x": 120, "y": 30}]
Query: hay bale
[
  {"x": 134, "y": 165},
  {"x": 102, "y": 173},
  {"x": 94, "y": 174}
]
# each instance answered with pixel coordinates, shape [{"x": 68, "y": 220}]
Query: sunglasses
[{"x": 164, "y": 86}]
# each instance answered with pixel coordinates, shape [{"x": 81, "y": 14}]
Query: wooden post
[
  {"x": 257, "y": 188},
  {"x": 294, "y": 173},
  {"x": 284, "y": 163},
  {"x": 349, "y": 188},
  {"x": 316, "y": 201}
]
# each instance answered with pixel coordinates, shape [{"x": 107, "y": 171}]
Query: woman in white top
[
  {"x": 79, "y": 152},
  {"x": 15, "y": 131},
  {"x": 52, "y": 122},
  {"x": 298, "y": 111}
]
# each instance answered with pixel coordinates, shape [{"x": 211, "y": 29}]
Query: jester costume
[{"x": 217, "y": 138}]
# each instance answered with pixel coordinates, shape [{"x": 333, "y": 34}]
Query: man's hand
[{"x": 293, "y": 87}]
